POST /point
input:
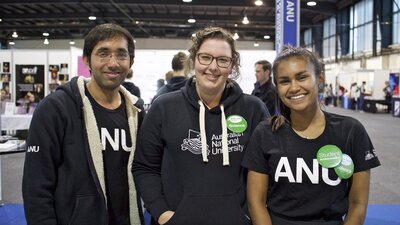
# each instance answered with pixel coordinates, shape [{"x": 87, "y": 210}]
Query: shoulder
[
  {"x": 251, "y": 99},
  {"x": 253, "y": 102},
  {"x": 170, "y": 98},
  {"x": 346, "y": 123},
  {"x": 264, "y": 127},
  {"x": 56, "y": 105}
]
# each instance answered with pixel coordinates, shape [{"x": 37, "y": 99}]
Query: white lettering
[
  {"x": 284, "y": 170},
  {"x": 327, "y": 180},
  {"x": 29, "y": 70},
  {"x": 284, "y": 163},
  {"x": 123, "y": 141},
  {"x": 290, "y": 11},
  {"x": 106, "y": 136},
  {"x": 33, "y": 148},
  {"x": 302, "y": 166}
]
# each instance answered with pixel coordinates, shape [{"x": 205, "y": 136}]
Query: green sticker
[
  {"x": 346, "y": 167},
  {"x": 236, "y": 123},
  {"x": 329, "y": 156}
]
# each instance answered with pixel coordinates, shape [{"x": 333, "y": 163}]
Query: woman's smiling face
[
  {"x": 297, "y": 84},
  {"x": 211, "y": 78}
]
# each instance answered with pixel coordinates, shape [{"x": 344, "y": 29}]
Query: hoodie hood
[
  {"x": 230, "y": 95},
  {"x": 175, "y": 83}
]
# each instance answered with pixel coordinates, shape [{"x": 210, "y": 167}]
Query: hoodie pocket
[
  {"x": 209, "y": 210},
  {"x": 87, "y": 210}
]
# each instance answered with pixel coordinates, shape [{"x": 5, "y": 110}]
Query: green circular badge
[
  {"x": 346, "y": 167},
  {"x": 329, "y": 156},
  {"x": 236, "y": 123}
]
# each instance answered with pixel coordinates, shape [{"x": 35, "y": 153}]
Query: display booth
[{"x": 396, "y": 106}]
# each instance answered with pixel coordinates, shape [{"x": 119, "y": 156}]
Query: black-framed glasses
[
  {"x": 207, "y": 59},
  {"x": 105, "y": 56}
]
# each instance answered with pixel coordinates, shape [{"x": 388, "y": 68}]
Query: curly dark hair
[{"x": 215, "y": 33}]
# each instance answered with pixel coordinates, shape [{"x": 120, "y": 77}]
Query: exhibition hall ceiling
[{"x": 68, "y": 19}]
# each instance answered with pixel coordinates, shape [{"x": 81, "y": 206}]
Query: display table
[
  {"x": 15, "y": 122},
  {"x": 370, "y": 105},
  {"x": 10, "y": 147},
  {"x": 396, "y": 106}
]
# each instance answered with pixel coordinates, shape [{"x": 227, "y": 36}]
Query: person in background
[
  {"x": 353, "y": 96},
  {"x": 387, "y": 91},
  {"x": 328, "y": 94},
  {"x": 179, "y": 75},
  {"x": 307, "y": 166},
  {"x": 130, "y": 86},
  {"x": 160, "y": 84},
  {"x": 264, "y": 88},
  {"x": 363, "y": 91},
  {"x": 341, "y": 93},
  {"x": 187, "y": 163},
  {"x": 82, "y": 139},
  {"x": 168, "y": 76}
]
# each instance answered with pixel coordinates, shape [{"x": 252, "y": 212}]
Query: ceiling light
[
  {"x": 236, "y": 36},
  {"x": 194, "y": 35},
  {"x": 92, "y": 18},
  {"x": 258, "y": 3},
  {"x": 137, "y": 22},
  {"x": 11, "y": 43},
  {"x": 46, "y": 41},
  {"x": 191, "y": 20},
  {"x": 71, "y": 42},
  {"x": 235, "y": 24},
  {"x": 186, "y": 0},
  {"x": 46, "y": 34},
  {"x": 256, "y": 44},
  {"x": 1, "y": 20},
  {"x": 311, "y": 3},
  {"x": 134, "y": 40},
  {"x": 245, "y": 20},
  {"x": 14, "y": 34},
  {"x": 267, "y": 37}
]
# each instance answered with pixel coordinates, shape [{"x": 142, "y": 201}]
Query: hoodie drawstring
[
  {"x": 203, "y": 137},
  {"x": 225, "y": 153}
]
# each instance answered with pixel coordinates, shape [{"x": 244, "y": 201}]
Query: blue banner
[{"x": 287, "y": 23}]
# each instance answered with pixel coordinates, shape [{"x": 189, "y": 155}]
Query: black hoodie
[
  {"x": 63, "y": 180},
  {"x": 169, "y": 169},
  {"x": 173, "y": 85}
]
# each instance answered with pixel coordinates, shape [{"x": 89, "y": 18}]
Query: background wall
[{"x": 149, "y": 66}]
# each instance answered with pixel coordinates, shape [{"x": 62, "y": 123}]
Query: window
[
  {"x": 308, "y": 39},
  {"x": 396, "y": 22},
  {"x": 361, "y": 26},
  {"x": 329, "y": 34}
]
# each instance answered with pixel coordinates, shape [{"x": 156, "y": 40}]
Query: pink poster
[{"x": 82, "y": 68}]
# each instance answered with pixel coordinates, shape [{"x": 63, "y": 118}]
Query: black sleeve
[
  {"x": 146, "y": 166},
  {"x": 270, "y": 102},
  {"x": 142, "y": 113},
  {"x": 364, "y": 155},
  {"x": 41, "y": 162},
  {"x": 254, "y": 158}
]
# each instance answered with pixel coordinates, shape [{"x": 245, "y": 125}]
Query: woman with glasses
[{"x": 187, "y": 163}]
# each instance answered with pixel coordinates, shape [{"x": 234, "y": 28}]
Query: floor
[{"x": 384, "y": 208}]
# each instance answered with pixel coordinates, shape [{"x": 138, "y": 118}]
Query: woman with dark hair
[
  {"x": 307, "y": 166},
  {"x": 187, "y": 163}
]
